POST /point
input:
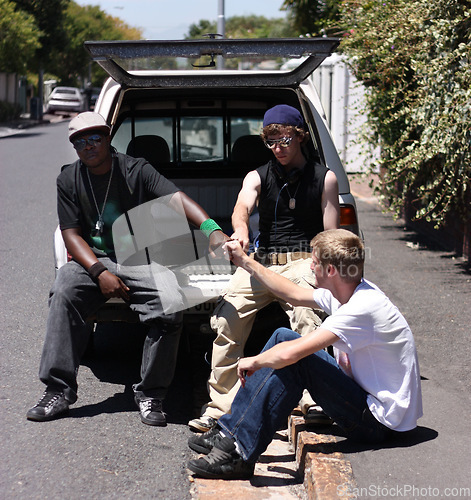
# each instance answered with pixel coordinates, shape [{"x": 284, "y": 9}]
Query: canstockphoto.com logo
[{"x": 401, "y": 491}]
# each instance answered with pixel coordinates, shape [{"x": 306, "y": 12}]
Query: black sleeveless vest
[{"x": 283, "y": 229}]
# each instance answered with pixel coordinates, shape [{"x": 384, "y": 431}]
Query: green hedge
[
  {"x": 414, "y": 57},
  {"x": 9, "y": 111}
]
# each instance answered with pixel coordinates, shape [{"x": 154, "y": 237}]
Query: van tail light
[{"x": 348, "y": 218}]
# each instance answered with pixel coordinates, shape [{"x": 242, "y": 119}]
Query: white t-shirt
[{"x": 381, "y": 353}]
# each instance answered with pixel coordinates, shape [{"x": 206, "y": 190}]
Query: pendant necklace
[
  {"x": 99, "y": 223},
  {"x": 292, "y": 199}
]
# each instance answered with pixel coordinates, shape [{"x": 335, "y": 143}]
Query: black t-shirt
[
  {"x": 134, "y": 182},
  {"x": 285, "y": 229}
]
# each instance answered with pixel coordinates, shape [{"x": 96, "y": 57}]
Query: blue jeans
[
  {"x": 263, "y": 405},
  {"x": 74, "y": 297}
]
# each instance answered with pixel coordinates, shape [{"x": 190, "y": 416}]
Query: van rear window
[{"x": 193, "y": 138}]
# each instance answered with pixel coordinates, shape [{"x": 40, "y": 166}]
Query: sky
[{"x": 171, "y": 19}]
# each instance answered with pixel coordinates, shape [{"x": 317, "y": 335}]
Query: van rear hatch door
[{"x": 134, "y": 63}]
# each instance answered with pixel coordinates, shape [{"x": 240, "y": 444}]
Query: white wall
[
  {"x": 342, "y": 98},
  {"x": 8, "y": 87}
]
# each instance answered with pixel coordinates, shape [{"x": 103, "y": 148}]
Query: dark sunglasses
[
  {"x": 284, "y": 142},
  {"x": 81, "y": 144}
]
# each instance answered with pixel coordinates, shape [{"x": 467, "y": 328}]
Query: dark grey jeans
[{"x": 75, "y": 296}]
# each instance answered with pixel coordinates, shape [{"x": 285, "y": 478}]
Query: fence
[
  {"x": 342, "y": 98},
  {"x": 8, "y": 87}
]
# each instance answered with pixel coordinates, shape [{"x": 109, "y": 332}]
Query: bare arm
[
  {"x": 286, "y": 353},
  {"x": 330, "y": 202},
  {"x": 244, "y": 206},
  {"x": 196, "y": 214},
  {"x": 110, "y": 285},
  {"x": 277, "y": 284}
]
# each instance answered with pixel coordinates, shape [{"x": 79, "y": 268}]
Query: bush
[
  {"x": 414, "y": 58},
  {"x": 9, "y": 111}
]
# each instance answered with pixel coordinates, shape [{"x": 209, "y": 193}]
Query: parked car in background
[
  {"x": 66, "y": 99},
  {"x": 200, "y": 125}
]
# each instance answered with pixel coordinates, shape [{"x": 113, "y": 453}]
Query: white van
[{"x": 200, "y": 125}]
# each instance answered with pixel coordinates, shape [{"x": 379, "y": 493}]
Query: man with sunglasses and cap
[
  {"x": 297, "y": 198},
  {"x": 91, "y": 194}
]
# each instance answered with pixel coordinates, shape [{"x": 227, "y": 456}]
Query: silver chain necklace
[
  {"x": 292, "y": 199},
  {"x": 99, "y": 223}
]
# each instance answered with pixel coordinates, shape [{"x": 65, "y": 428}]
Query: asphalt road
[
  {"x": 433, "y": 290},
  {"x": 104, "y": 451}
]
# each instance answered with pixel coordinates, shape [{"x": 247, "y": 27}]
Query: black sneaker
[
  {"x": 315, "y": 416},
  {"x": 223, "y": 462},
  {"x": 52, "y": 405},
  {"x": 151, "y": 412},
  {"x": 204, "y": 443}
]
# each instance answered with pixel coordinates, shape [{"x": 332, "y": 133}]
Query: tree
[
  {"x": 414, "y": 56},
  {"x": 313, "y": 17},
  {"x": 19, "y": 38},
  {"x": 244, "y": 27},
  {"x": 204, "y": 27},
  {"x": 82, "y": 24},
  {"x": 57, "y": 30},
  {"x": 49, "y": 17}
]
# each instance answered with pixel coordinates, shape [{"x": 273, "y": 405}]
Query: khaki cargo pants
[{"x": 232, "y": 322}]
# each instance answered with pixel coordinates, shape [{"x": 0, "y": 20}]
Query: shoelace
[
  {"x": 218, "y": 455},
  {"x": 149, "y": 405},
  {"x": 48, "y": 399},
  {"x": 210, "y": 438}
]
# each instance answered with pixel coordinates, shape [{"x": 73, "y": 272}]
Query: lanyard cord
[{"x": 276, "y": 205}]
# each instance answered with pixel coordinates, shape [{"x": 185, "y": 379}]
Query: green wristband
[{"x": 209, "y": 226}]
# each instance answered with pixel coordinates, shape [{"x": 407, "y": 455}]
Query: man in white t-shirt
[{"x": 371, "y": 389}]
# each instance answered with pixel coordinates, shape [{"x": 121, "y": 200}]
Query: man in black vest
[{"x": 297, "y": 198}]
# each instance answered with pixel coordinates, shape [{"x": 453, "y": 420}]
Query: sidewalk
[
  {"x": 360, "y": 186},
  {"x": 17, "y": 126}
]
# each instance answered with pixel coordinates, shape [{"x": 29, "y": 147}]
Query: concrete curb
[
  {"x": 298, "y": 464},
  {"x": 327, "y": 474},
  {"x": 363, "y": 187}
]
